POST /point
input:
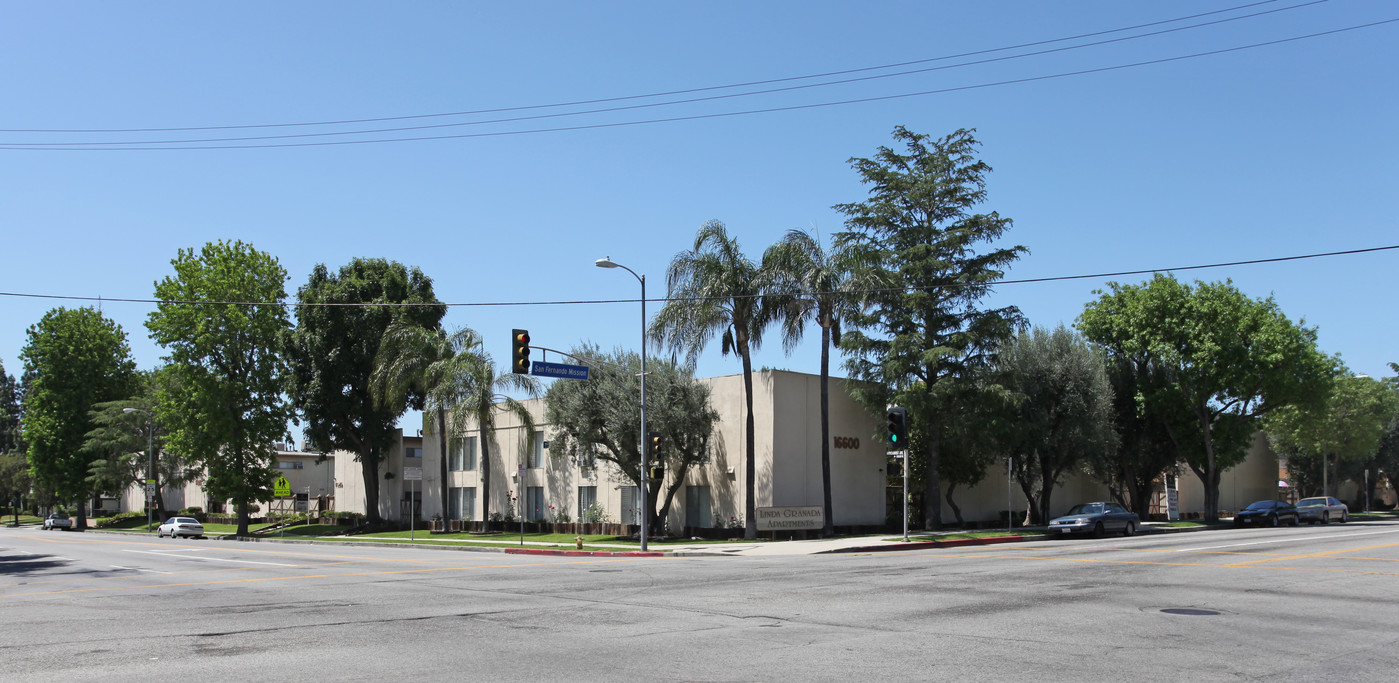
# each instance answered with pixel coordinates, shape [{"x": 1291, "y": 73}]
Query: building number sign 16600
[{"x": 849, "y": 442}]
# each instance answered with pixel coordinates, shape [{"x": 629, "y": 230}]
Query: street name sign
[{"x": 558, "y": 370}]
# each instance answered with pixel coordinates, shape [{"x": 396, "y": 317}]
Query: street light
[
  {"x": 150, "y": 455},
  {"x": 607, "y": 262}
]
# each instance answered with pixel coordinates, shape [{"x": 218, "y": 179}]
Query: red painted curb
[{"x": 577, "y": 553}]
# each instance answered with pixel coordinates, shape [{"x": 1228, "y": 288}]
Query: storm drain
[{"x": 1190, "y": 611}]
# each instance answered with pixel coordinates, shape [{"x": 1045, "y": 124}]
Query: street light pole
[
  {"x": 607, "y": 262},
  {"x": 150, "y": 461}
]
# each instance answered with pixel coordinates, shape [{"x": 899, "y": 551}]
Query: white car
[{"x": 176, "y": 527}]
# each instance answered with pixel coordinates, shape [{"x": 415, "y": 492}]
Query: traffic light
[
  {"x": 519, "y": 352},
  {"x": 653, "y": 447},
  {"x": 898, "y": 429},
  {"x": 657, "y": 471}
]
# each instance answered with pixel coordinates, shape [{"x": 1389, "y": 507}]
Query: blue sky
[{"x": 1272, "y": 151}]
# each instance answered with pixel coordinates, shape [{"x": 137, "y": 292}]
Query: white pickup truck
[{"x": 58, "y": 520}]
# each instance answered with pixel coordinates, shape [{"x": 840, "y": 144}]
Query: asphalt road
[{"x": 1310, "y": 603}]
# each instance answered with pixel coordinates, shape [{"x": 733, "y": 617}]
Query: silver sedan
[{"x": 1324, "y": 509}]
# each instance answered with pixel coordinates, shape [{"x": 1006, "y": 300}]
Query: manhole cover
[{"x": 1190, "y": 611}]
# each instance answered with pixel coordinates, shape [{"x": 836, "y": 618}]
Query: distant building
[{"x": 786, "y": 405}]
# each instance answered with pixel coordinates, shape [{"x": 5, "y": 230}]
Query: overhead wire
[
  {"x": 185, "y": 144},
  {"x": 695, "y": 117},
  {"x": 663, "y": 93},
  {"x": 1056, "y": 278},
  {"x": 651, "y": 105}
]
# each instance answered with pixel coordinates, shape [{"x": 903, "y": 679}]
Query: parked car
[
  {"x": 176, "y": 527},
  {"x": 58, "y": 520},
  {"x": 1097, "y": 519},
  {"x": 1267, "y": 512},
  {"x": 1322, "y": 509}
]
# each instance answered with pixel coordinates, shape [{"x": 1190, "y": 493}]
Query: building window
[
  {"x": 536, "y": 452},
  {"x": 461, "y": 455},
  {"x": 294, "y": 465},
  {"x": 699, "y": 506},
  {"x": 412, "y": 452},
  {"x": 461, "y": 502},
  {"x": 534, "y": 504},
  {"x": 587, "y": 498},
  {"x": 631, "y": 505}
]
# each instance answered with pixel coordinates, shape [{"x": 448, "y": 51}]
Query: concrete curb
[
  {"x": 928, "y": 545},
  {"x": 580, "y": 553}
]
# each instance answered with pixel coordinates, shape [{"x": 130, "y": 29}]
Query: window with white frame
[
  {"x": 413, "y": 452},
  {"x": 536, "y": 451},
  {"x": 631, "y": 505},
  {"x": 534, "y": 504},
  {"x": 461, "y": 455},
  {"x": 293, "y": 465},
  {"x": 587, "y": 498},
  {"x": 461, "y": 502}
]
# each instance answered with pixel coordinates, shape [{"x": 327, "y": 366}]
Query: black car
[{"x": 1267, "y": 513}]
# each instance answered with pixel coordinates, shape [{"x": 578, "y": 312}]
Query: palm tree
[
  {"x": 457, "y": 377},
  {"x": 813, "y": 284},
  {"x": 478, "y": 398},
  {"x": 714, "y": 288},
  {"x": 414, "y": 359}
]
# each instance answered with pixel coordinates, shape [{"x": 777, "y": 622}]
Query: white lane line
[
  {"x": 209, "y": 559},
  {"x": 137, "y": 569},
  {"x": 1292, "y": 538}
]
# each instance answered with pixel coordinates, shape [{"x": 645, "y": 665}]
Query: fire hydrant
[{"x": 579, "y": 541}]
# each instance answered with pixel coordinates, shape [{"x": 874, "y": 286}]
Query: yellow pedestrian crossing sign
[{"x": 281, "y": 488}]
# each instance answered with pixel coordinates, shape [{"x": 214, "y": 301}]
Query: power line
[
  {"x": 670, "y": 92},
  {"x": 652, "y": 105},
  {"x": 695, "y": 117},
  {"x": 1057, "y": 278}
]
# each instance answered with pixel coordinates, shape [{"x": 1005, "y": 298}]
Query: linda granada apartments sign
[{"x": 790, "y": 518}]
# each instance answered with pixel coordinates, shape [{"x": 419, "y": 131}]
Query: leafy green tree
[
  {"x": 977, "y": 419},
  {"x": 332, "y": 353},
  {"x": 14, "y": 480},
  {"x": 596, "y": 420},
  {"x": 120, "y": 439},
  {"x": 713, "y": 288},
  {"x": 461, "y": 388},
  {"x": 1064, "y": 412},
  {"x": 1338, "y": 438},
  {"x": 9, "y": 412},
  {"x": 1387, "y": 455},
  {"x": 74, "y": 359},
  {"x": 919, "y": 232},
  {"x": 1145, "y": 450},
  {"x": 221, "y": 318},
  {"x": 813, "y": 284},
  {"x": 1230, "y": 360},
  {"x": 14, "y": 466}
]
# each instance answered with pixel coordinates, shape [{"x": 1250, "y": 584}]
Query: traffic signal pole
[{"x": 897, "y": 424}]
